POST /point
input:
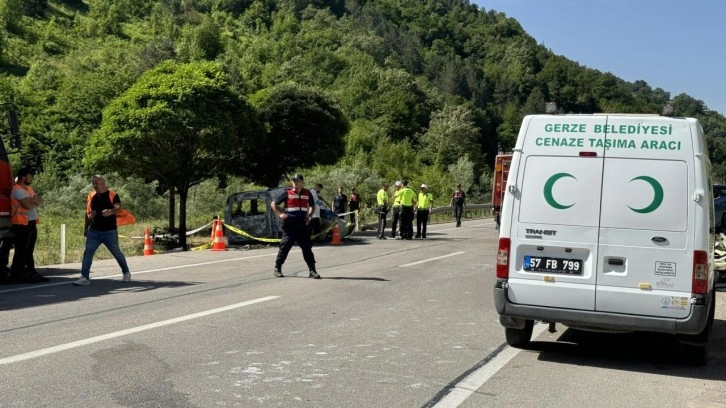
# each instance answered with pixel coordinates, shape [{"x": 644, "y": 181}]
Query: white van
[{"x": 607, "y": 224}]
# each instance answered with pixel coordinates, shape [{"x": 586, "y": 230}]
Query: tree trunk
[
  {"x": 172, "y": 208},
  {"x": 183, "y": 193}
]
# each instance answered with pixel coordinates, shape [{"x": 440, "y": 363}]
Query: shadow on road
[
  {"x": 653, "y": 353},
  {"x": 60, "y": 290}
]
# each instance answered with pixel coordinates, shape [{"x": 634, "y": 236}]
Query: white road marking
[
  {"x": 429, "y": 260},
  {"x": 472, "y": 382},
  {"x": 109, "y": 336}
]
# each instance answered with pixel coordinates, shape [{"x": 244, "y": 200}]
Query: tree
[
  {"x": 452, "y": 134},
  {"x": 201, "y": 42},
  {"x": 462, "y": 172},
  {"x": 304, "y": 128},
  {"x": 11, "y": 12},
  {"x": 509, "y": 128},
  {"x": 535, "y": 102},
  {"x": 178, "y": 124},
  {"x": 35, "y": 8},
  {"x": 688, "y": 106}
]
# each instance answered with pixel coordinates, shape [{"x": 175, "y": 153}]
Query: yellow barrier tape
[
  {"x": 205, "y": 246},
  {"x": 240, "y": 232},
  {"x": 275, "y": 240}
]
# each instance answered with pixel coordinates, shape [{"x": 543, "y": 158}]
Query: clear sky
[{"x": 676, "y": 45}]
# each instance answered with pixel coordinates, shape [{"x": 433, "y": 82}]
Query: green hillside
[{"x": 430, "y": 90}]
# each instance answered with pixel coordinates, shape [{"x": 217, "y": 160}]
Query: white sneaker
[
  {"x": 127, "y": 277},
  {"x": 82, "y": 282}
]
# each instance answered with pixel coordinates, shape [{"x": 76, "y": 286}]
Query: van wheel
[{"x": 519, "y": 337}]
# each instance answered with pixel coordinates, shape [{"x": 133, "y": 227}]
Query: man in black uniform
[
  {"x": 340, "y": 201},
  {"x": 458, "y": 201},
  {"x": 299, "y": 208}
]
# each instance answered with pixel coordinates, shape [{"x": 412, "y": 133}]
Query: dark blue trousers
[{"x": 295, "y": 231}]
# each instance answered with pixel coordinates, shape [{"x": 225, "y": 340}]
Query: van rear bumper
[{"x": 513, "y": 315}]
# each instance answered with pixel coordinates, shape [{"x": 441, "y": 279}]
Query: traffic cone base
[
  {"x": 218, "y": 244},
  {"x": 148, "y": 244},
  {"x": 336, "y": 234}
]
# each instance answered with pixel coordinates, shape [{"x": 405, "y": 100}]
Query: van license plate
[{"x": 553, "y": 265}]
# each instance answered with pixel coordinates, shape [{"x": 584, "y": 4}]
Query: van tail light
[
  {"x": 700, "y": 272},
  {"x": 503, "y": 258}
]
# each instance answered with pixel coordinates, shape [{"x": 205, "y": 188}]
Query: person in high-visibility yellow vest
[
  {"x": 396, "y": 208},
  {"x": 423, "y": 208},
  {"x": 408, "y": 201},
  {"x": 382, "y": 209}
]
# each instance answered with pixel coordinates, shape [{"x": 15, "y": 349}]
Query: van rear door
[
  {"x": 646, "y": 226},
  {"x": 555, "y": 208}
]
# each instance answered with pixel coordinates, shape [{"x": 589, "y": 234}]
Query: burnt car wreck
[{"x": 252, "y": 220}]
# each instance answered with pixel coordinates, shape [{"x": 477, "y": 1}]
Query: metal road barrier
[{"x": 434, "y": 211}]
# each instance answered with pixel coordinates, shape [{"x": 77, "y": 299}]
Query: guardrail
[{"x": 472, "y": 211}]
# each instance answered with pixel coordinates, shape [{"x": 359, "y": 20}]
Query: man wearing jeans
[{"x": 101, "y": 209}]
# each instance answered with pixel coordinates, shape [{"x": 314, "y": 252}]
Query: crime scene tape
[
  {"x": 244, "y": 234},
  {"x": 170, "y": 235},
  {"x": 272, "y": 240}
]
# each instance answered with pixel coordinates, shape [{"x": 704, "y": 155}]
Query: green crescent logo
[
  {"x": 657, "y": 195},
  {"x": 548, "y": 191}
]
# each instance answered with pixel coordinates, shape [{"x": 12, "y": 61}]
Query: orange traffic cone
[
  {"x": 148, "y": 244},
  {"x": 214, "y": 229},
  {"x": 218, "y": 244},
  {"x": 336, "y": 234}
]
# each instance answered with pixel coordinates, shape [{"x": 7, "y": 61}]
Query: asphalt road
[{"x": 391, "y": 324}]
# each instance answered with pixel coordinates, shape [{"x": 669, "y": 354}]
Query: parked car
[
  {"x": 250, "y": 212},
  {"x": 719, "y": 206}
]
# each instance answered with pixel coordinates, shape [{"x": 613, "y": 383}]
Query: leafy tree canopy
[
  {"x": 304, "y": 127},
  {"x": 179, "y": 124}
]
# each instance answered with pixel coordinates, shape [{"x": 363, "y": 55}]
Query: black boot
[
  {"x": 278, "y": 272},
  {"x": 314, "y": 274}
]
